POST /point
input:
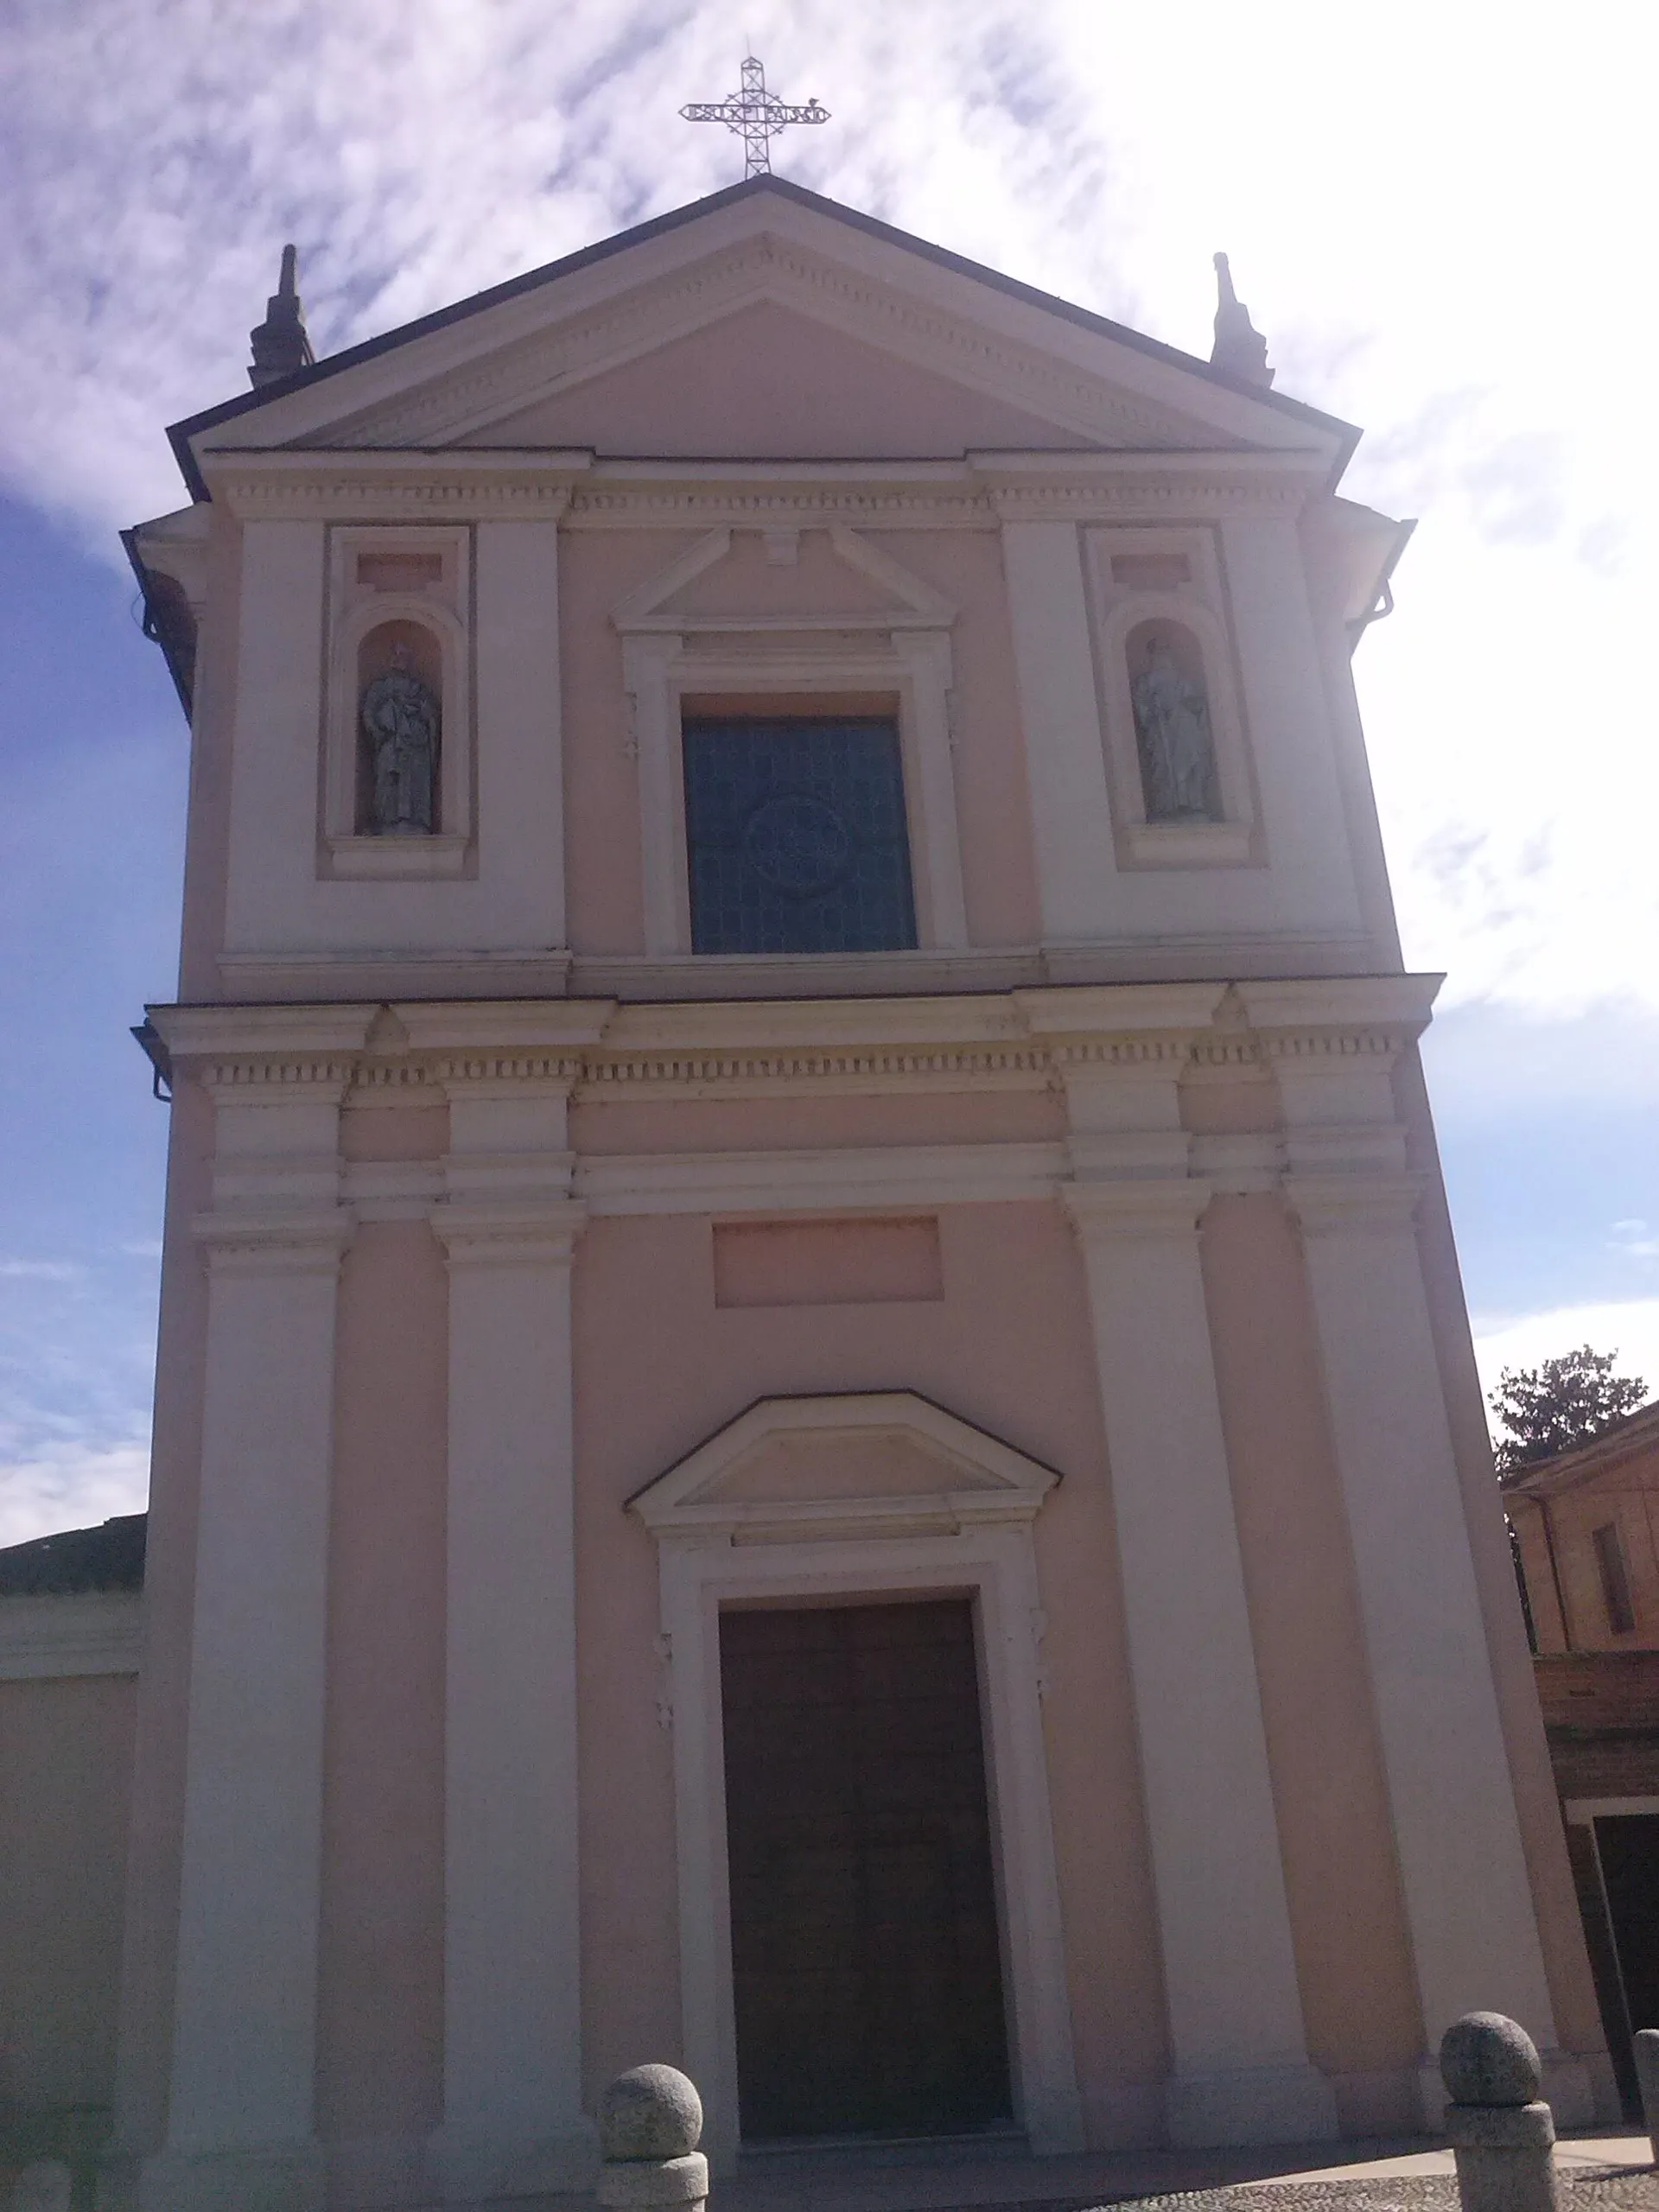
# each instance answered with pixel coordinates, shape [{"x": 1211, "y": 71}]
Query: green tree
[{"x": 1564, "y": 1402}]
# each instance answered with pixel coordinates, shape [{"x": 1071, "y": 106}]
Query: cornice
[
  {"x": 867, "y": 1178},
  {"x": 601, "y": 1050},
  {"x": 332, "y": 486},
  {"x": 508, "y": 1232},
  {"x": 274, "y": 1240},
  {"x": 1319, "y": 1004},
  {"x": 981, "y": 490},
  {"x": 1356, "y": 1204},
  {"x": 1133, "y": 1208}
]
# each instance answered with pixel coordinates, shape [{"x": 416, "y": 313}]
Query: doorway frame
[{"x": 971, "y": 1538}]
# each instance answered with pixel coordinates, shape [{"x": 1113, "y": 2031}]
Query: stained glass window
[{"x": 796, "y": 835}]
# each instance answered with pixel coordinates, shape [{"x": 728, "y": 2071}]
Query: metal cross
[{"x": 756, "y": 115}]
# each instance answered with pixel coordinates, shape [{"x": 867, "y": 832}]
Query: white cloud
[
  {"x": 70, "y": 1486},
  {"x": 1628, "y": 1328},
  {"x": 1416, "y": 264},
  {"x": 39, "y": 1271}
]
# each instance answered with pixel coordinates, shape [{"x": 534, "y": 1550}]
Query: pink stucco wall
[
  {"x": 658, "y": 1365},
  {"x": 768, "y": 382}
]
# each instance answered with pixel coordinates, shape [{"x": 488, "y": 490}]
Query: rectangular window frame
[
  {"x": 799, "y": 715},
  {"x": 1613, "y": 1572},
  {"x": 905, "y": 654}
]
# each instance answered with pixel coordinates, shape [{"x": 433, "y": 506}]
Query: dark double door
[{"x": 865, "y": 1953}]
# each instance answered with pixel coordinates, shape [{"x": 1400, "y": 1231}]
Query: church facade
[{"x": 814, "y": 1414}]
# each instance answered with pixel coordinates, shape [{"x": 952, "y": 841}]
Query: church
[{"x": 814, "y": 1413}]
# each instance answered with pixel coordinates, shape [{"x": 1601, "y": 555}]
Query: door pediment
[{"x": 864, "y": 1463}]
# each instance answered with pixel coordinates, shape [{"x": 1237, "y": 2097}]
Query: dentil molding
[{"x": 599, "y": 1050}]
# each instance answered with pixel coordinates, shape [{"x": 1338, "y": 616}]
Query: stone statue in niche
[
  {"x": 400, "y": 719},
  {"x": 1171, "y": 730}
]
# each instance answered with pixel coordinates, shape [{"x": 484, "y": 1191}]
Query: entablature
[
  {"x": 585, "y": 490},
  {"x": 1033, "y": 1041}
]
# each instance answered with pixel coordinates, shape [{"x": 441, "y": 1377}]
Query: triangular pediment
[
  {"x": 774, "y": 384},
  {"x": 874, "y": 1463},
  {"x": 764, "y": 324},
  {"x": 781, "y": 578}
]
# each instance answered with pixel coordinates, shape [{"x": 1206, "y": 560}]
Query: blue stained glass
[{"x": 796, "y": 836}]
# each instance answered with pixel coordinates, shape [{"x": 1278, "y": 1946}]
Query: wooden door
[{"x": 864, "y": 1934}]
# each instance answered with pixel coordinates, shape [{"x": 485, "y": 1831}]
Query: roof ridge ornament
[
  {"x": 755, "y": 114},
  {"x": 280, "y": 343},
  {"x": 1240, "y": 349}
]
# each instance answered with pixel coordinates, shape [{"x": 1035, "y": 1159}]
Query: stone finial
[
  {"x": 280, "y": 343},
  {"x": 650, "y": 2121},
  {"x": 1502, "y": 2136},
  {"x": 1240, "y": 349}
]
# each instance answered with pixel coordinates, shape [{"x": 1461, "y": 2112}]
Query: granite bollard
[
  {"x": 650, "y": 2119},
  {"x": 1502, "y": 2135},
  {"x": 1645, "y": 2046}
]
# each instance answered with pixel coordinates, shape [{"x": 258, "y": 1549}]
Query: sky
[{"x": 1438, "y": 215}]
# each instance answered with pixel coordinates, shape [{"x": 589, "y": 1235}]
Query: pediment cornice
[
  {"x": 581, "y": 491},
  {"x": 457, "y": 371},
  {"x": 968, "y": 1478},
  {"x": 779, "y": 272}
]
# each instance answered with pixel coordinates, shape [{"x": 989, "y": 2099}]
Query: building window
[
  {"x": 1614, "y": 1581},
  {"x": 796, "y": 836}
]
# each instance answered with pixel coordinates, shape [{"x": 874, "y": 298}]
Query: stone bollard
[
  {"x": 649, "y": 2122},
  {"x": 46, "y": 2186},
  {"x": 1645, "y": 2046},
  {"x": 1502, "y": 2136}
]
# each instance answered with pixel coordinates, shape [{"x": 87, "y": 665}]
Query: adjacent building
[{"x": 1585, "y": 1525}]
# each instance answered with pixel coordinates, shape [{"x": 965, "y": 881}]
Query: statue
[
  {"x": 400, "y": 719},
  {"x": 1171, "y": 728}
]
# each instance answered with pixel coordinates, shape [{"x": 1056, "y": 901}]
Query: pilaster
[
  {"x": 241, "y": 2131},
  {"x": 1468, "y": 1898},
  {"x": 1241, "y": 2072},
  {"x": 513, "y": 2123},
  {"x": 1059, "y": 710}
]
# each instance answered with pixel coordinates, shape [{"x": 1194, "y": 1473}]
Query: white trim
[
  {"x": 512, "y": 1902},
  {"x": 1199, "y": 607},
  {"x": 482, "y": 366},
  {"x": 355, "y": 610},
  {"x": 904, "y": 649},
  {"x": 793, "y": 1182},
  {"x": 1240, "y": 2071},
  {"x": 421, "y": 487},
  {"x": 1579, "y": 1812},
  {"x": 71, "y": 1632},
  {"x": 1058, "y": 694},
  {"x": 242, "y": 2077},
  {"x": 794, "y": 1553}
]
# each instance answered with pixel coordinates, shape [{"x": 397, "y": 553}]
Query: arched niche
[
  {"x": 1216, "y": 824},
  {"x": 369, "y": 639},
  {"x": 397, "y": 646},
  {"x": 1175, "y": 722}
]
